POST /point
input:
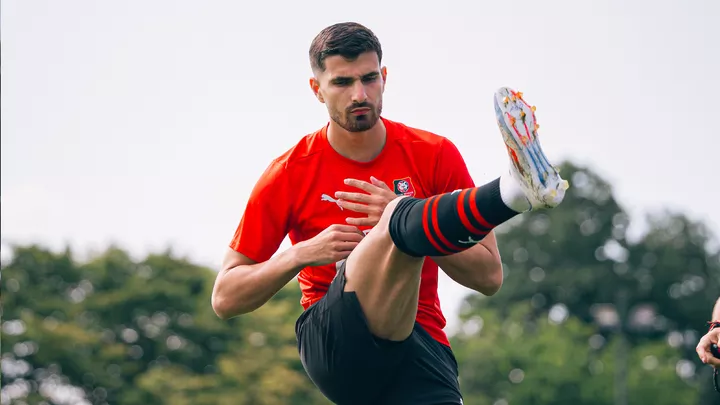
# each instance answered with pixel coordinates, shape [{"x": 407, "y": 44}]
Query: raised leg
[
  {"x": 385, "y": 280},
  {"x": 384, "y": 269}
]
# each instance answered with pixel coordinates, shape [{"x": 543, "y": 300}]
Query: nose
[{"x": 359, "y": 94}]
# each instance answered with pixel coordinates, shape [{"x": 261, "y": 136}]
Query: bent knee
[
  {"x": 380, "y": 233},
  {"x": 383, "y": 224},
  {"x": 382, "y": 238},
  {"x": 378, "y": 240}
]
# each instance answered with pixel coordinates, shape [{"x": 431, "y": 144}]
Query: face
[{"x": 352, "y": 90}]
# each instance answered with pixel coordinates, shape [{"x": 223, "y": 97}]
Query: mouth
[{"x": 360, "y": 111}]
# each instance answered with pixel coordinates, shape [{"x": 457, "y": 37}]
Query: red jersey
[{"x": 295, "y": 197}]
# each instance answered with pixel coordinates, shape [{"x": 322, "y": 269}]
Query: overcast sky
[{"x": 146, "y": 123}]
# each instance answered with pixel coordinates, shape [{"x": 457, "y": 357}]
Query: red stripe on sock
[
  {"x": 436, "y": 226},
  {"x": 463, "y": 215},
  {"x": 476, "y": 213},
  {"x": 426, "y": 227}
]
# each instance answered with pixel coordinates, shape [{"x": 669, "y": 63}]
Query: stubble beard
[{"x": 353, "y": 123}]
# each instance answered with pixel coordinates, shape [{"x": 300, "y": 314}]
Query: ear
[
  {"x": 315, "y": 87},
  {"x": 383, "y": 74}
]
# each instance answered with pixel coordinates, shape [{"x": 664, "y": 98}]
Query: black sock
[{"x": 448, "y": 223}]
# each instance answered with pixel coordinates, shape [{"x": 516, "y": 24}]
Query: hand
[
  {"x": 703, "y": 348},
  {"x": 329, "y": 246},
  {"x": 372, "y": 204}
]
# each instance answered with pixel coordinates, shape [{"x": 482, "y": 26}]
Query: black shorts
[{"x": 352, "y": 367}]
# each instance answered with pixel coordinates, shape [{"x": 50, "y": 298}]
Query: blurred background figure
[{"x": 707, "y": 348}]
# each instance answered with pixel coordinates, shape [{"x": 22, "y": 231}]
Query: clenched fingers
[
  {"x": 703, "y": 350},
  {"x": 345, "y": 246},
  {"x": 350, "y": 237},
  {"x": 345, "y": 228}
]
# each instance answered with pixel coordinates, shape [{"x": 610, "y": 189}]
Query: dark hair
[{"x": 346, "y": 39}]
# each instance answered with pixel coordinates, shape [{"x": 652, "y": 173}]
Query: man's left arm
[{"x": 478, "y": 268}]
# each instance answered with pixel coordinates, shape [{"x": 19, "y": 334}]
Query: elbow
[
  {"x": 227, "y": 300},
  {"x": 221, "y": 308},
  {"x": 493, "y": 286},
  {"x": 492, "y": 281},
  {"x": 226, "y": 309}
]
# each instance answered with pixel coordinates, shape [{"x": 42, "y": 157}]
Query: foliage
[{"x": 114, "y": 330}]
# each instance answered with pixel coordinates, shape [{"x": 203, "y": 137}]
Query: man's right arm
[{"x": 242, "y": 285}]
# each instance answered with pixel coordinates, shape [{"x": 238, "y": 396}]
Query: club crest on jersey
[{"x": 404, "y": 187}]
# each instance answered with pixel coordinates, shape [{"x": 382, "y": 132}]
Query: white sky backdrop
[{"x": 146, "y": 123}]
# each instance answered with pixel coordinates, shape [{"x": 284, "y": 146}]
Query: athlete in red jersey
[
  {"x": 372, "y": 207},
  {"x": 297, "y": 196}
]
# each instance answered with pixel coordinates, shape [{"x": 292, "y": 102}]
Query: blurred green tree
[
  {"x": 579, "y": 259},
  {"x": 580, "y": 302},
  {"x": 262, "y": 367},
  {"x": 579, "y": 255},
  {"x": 100, "y": 325},
  {"x": 523, "y": 358}
]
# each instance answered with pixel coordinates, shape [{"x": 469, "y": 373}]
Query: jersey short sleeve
[
  {"x": 266, "y": 219},
  {"x": 451, "y": 172}
]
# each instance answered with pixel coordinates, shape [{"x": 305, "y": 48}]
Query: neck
[{"x": 358, "y": 146}]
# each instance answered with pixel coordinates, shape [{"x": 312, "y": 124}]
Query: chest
[{"x": 317, "y": 206}]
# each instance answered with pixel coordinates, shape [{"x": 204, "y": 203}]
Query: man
[
  {"x": 372, "y": 207},
  {"x": 707, "y": 348},
  {"x": 710, "y": 338}
]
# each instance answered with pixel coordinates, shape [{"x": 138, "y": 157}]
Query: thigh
[
  {"x": 339, "y": 352},
  {"x": 386, "y": 281},
  {"x": 429, "y": 375}
]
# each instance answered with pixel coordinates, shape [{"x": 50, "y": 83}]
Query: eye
[{"x": 370, "y": 78}]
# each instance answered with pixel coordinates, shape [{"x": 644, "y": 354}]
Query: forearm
[
  {"x": 478, "y": 269},
  {"x": 716, "y": 311},
  {"x": 242, "y": 289}
]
